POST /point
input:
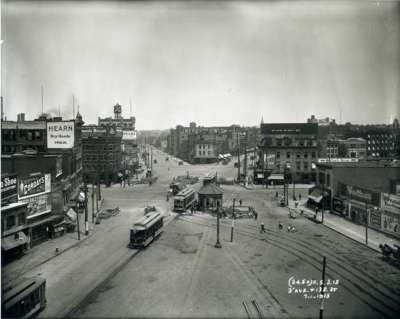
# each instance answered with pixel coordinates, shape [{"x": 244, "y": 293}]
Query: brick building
[
  {"x": 102, "y": 153},
  {"x": 293, "y": 145},
  {"x": 197, "y": 144},
  {"x": 351, "y": 189}
]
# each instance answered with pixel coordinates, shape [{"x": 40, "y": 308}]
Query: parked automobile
[{"x": 180, "y": 163}]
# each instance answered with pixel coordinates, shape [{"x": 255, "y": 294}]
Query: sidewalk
[
  {"x": 46, "y": 251},
  {"x": 348, "y": 228}
]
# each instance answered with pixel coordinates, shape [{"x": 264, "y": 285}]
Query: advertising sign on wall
[
  {"x": 34, "y": 185},
  {"x": 38, "y": 205},
  {"x": 60, "y": 134},
  {"x": 9, "y": 188},
  {"x": 391, "y": 201},
  {"x": 128, "y": 135},
  {"x": 360, "y": 194},
  {"x": 59, "y": 170}
]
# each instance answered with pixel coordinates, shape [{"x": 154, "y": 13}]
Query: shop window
[{"x": 10, "y": 221}]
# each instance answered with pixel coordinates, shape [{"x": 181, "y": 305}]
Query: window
[
  {"x": 21, "y": 219},
  {"x": 298, "y": 155},
  {"x": 306, "y": 155},
  {"x": 305, "y": 164},
  {"x": 313, "y": 154},
  {"x": 288, "y": 154},
  {"x": 278, "y": 154},
  {"x": 10, "y": 221},
  {"x": 298, "y": 167}
]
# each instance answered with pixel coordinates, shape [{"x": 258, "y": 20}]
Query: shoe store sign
[
  {"x": 60, "y": 134},
  {"x": 34, "y": 185},
  {"x": 8, "y": 188}
]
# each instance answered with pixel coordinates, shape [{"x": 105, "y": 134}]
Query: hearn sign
[{"x": 60, "y": 134}]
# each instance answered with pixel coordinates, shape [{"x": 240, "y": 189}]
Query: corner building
[{"x": 294, "y": 145}]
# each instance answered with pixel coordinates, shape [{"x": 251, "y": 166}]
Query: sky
[{"x": 211, "y": 62}]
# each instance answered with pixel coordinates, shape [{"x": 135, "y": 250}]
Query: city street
[{"x": 182, "y": 274}]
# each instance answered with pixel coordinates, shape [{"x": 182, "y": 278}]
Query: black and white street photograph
[{"x": 200, "y": 159}]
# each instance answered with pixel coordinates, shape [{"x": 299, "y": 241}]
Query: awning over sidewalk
[
  {"x": 13, "y": 241},
  {"x": 276, "y": 177},
  {"x": 316, "y": 195}
]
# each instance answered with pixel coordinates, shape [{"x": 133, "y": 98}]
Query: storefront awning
[
  {"x": 276, "y": 177},
  {"x": 13, "y": 241},
  {"x": 316, "y": 195},
  {"x": 315, "y": 199}
]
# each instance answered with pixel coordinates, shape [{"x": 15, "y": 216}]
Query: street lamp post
[
  {"x": 218, "y": 244},
  {"x": 366, "y": 223}
]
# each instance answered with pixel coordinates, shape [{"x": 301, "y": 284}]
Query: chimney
[{"x": 21, "y": 117}]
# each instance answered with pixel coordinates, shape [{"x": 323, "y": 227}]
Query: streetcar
[
  {"x": 184, "y": 199},
  {"x": 176, "y": 187},
  {"x": 24, "y": 298},
  {"x": 145, "y": 230}
]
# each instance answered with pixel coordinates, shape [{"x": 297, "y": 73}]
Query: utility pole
[
  {"x": 217, "y": 244},
  {"x": 233, "y": 219},
  {"x": 85, "y": 189},
  {"x": 321, "y": 309},
  {"x": 366, "y": 223},
  {"x": 92, "y": 202},
  {"x": 238, "y": 154},
  {"x": 245, "y": 155},
  {"x": 151, "y": 158},
  {"x": 77, "y": 221}
]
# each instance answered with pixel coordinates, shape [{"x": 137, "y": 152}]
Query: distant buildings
[
  {"x": 289, "y": 145},
  {"x": 197, "y": 144}
]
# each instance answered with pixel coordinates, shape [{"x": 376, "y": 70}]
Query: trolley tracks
[{"x": 379, "y": 296}]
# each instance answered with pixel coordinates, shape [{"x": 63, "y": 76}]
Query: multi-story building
[
  {"x": 205, "y": 153},
  {"x": 118, "y": 121},
  {"x": 102, "y": 153},
  {"x": 381, "y": 143},
  {"x": 52, "y": 174},
  {"x": 356, "y": 190},
  {"x": 182, "y": 141},
  {"x": 293, "y": 145},
  {"x": 355, "y": 147},
  {"x": 126, "y": 126}
]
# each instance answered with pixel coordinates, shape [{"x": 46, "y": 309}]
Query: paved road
[{"x": 183, "y": 275}]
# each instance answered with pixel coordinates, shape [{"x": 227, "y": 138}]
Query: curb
[
  {"x": 61, "y": 252},
  {"x": 337, "y": 231},
  {"x": 64, "y": 250},
  {"x": 349, "y": 237},
  {"x": 74, "y": 307}
]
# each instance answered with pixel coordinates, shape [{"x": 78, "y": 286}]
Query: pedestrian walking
[
  {"x": 276, "y": 194},
  {"x": 240, "y": 202},
  {"x": 255, "y": 215},
  {"x": 262, "y": 230},
  {"x": 299, "y": 196},
  {"x": 280, "y": 226}
]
